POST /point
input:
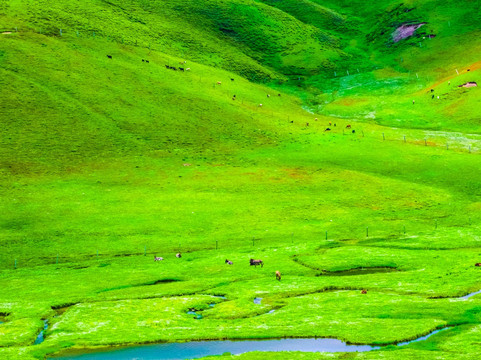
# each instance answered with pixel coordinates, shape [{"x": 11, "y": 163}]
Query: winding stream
[
  {"x": 40, "y": 338},
  {"x": 197, "y": 349}
]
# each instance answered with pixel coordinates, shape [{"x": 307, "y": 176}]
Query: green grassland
[{"x": 108, "y": 162}]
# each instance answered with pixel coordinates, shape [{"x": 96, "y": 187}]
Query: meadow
[{"x": 106, "y": 162}]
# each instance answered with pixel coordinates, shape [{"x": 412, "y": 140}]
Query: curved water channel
[{"x": 198, "y": 349}]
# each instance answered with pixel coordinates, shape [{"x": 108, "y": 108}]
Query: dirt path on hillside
[{"x": 473, "y": 67}]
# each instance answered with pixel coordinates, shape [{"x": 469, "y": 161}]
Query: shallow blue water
[
  {"x": 40, "y": 336},
  {"x": 469, "y": 295},
  {"x": 196, "y": 349}
]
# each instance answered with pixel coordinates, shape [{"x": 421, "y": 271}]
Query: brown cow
[
  {"x": 348, "y": 126},
  {"x": 364, "y": 291},
  {"x": 256, "y": 262},
  {"x": 278, "y": 275},
  {"x": 477, "y": 264}
]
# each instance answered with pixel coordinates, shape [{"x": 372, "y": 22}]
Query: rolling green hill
[{"x": 109, "y": 156}]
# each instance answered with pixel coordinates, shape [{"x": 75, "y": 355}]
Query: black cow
[
  {"x": 256, "y": 262},
  {"x": 109, "y": 56},
  {"x": 228, "y": 262}
]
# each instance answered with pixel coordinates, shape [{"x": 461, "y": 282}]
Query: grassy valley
[{"x": 110, "y": 157}]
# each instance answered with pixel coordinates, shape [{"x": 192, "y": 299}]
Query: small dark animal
[
  {"x": 278, "y": 94},
  {"x": 231, "y": 79},
  {"x": 348, "y": 126},
  {"x": 432, "y": 90},
  {"x": 477, "y": 264},
  {"x": 334, "y": 124},
  {"x": 167, "y": 66},
  {"x": 364, "y": 291},
  {"x": 178, "y": 255},
  {"x": 327, "y": 129},
  {"x": 143, "y": 60},
  {"x": 292, "y": 122},
  {"x": 147, "y": 61},
  {"x": 109, "y": 56},
  {"x": 353, "y": 131},
  {"x": 228, "y": 262},
  {"x": 432, "y": 96},
  {"x": 173, "y": 68},
  {"x": 158, "y": 258},
  {"x": 278, "y": 275},
  {"x": 181, "y": 69},
  {"x": 307, "y": 124},
  {"x": 256, "y": 262},
  {"x": 233, "y": 96}
]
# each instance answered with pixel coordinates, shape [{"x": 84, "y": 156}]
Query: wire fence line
[{"x": 289, "y": 240}]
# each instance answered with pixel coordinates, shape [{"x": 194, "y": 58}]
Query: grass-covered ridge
[{"x": 108, "y": 160}]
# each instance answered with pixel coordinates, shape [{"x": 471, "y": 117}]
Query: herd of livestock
[{"x": 252, "y": 262}]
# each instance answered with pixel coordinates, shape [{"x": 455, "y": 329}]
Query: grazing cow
[
  {"x": 432, "y": 96},
  {"x": 188, "y": 69},
  {"x": 167, "y": 66},
  {"x": 364, "y": 291},
  {"x": 219, "y": 82},
  {"x": 315, "y": 119},
  {"x": 348, "y": 126},
  {"x": 233, "y": 98},
  {"x": 477, "y": 264},
  {"x": 181, "y": 69},
  {"x": 327, "y": 129},
  {"x": 228, "y": 262},
  {"x": 178, "y": 255},
  {"x": 330, "y": 123},
  {"x": 260, "y": 105},
  {"x": 147, "y": 61},
  {"x": 334, "y": 124},
  {"x": 143, "y": 60},
  {"x": 109, "y": 56},
  {"x": 278, "y": 275},
  {"x": 158, "y": 258},
  {"x": 278, "y": 94},
  {"x": 173, "y": 68},
  {"x": 432, "y": 90},
  {"x": 307, "y": 124},
  {"x": 256, "y": 262},
  {"x": 353, "y": 131},
  {"x": 231, "y": 79},
  {"x": 268, "y": 96}
]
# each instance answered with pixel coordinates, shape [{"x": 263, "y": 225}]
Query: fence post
[
  {"x": 367, "y": 231},
  {"x": 326, "y": 234}
]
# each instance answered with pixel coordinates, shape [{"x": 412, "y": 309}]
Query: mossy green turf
[{"x": 104, "y": 160}]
